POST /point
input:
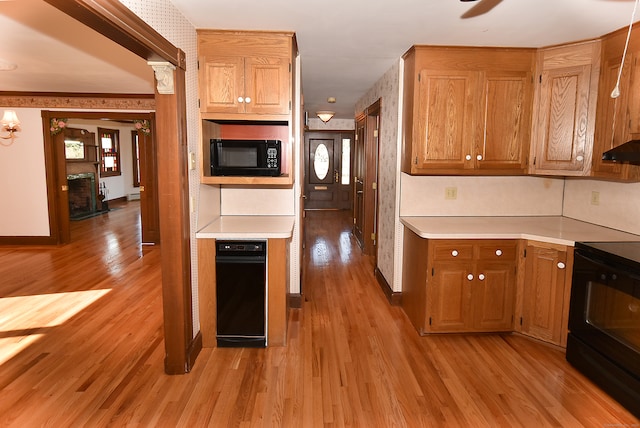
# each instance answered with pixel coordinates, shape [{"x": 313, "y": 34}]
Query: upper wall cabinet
[
  {"x": 467, "y": 110},
  {"x": 246, "y": 75},
  {"x": 618, "y": 119},
  {"x": 565, "y": 109}
]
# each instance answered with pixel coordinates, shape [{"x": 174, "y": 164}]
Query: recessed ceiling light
[{"x": 331, "y": 100}]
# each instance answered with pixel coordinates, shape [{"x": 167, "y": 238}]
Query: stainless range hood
[{"x": 628, "y": 152}]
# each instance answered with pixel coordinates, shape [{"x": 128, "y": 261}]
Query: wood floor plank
[{"x": 81, "y": 345}]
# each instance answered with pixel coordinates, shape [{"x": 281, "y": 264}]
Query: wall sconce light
[
  {"x": 325, "y": 115},
  {"x": 10, "y": 123}
]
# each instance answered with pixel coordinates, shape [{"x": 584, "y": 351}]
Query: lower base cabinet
[
  {"x": 459, "y": 285},
  {"x": 545, "y": 290},
  {"x": 487, "y": 285}
]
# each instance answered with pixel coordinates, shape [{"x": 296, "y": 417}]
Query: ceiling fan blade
[{"x": 480, "y": 9}]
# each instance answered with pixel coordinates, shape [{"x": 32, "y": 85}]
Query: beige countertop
[
  {"x": 248, "y": 227},
  {"x": 552, "y": 229}
]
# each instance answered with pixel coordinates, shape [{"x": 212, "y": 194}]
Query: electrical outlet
[
  {"x": 451, "y": 193},
  {"x": 595, "y": 198}
]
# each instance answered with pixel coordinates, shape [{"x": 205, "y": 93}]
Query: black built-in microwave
[{"x": 246, "y": 157}]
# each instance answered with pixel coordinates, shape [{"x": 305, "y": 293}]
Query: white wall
[
  {"x": 619, "y": 206},
  {"x": 23, "y": 189},
  {"x": 481, "y": 196},
  {"x": 250, "y": 201}
]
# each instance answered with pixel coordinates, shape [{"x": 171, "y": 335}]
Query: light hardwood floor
[{"x": 81, "y": 345}]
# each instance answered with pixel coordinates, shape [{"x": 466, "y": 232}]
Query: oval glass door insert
[{"x": 321, "y": 161}]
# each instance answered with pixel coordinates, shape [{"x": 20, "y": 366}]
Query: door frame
[
  {"x": 59, "y": 222},
  {"x": 118, "y": 23},
  {"x": 306, "y": 164},
  {"x": 372, "y": 125}
]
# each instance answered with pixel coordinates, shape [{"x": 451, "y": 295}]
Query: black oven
[
  {"x": 604, "y": 318},
  {"x": 246, "y": 157}
]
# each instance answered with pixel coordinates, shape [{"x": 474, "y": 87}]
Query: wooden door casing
[
  {"x": 149, "y": 217},
  {"x": 359, "y": 171}
]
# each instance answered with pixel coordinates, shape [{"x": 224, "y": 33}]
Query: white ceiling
[{"x": 345, "y": 45}]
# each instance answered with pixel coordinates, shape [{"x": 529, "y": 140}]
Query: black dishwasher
[{"x": 240, "y": 293}]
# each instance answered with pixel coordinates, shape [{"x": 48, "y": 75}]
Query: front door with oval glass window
[{"x": 328, "y": 170}]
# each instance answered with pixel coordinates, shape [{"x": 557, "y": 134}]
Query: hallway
[{"x": 81, "y": 345}]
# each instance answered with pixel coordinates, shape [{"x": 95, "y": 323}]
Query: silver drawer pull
[
  {"x": 561, "y": 265},
  {"x": 454, "y": 253},
  {"x": 481, "y": 277},
  {"x": 470, "y": 277},
  {"x": 498, "y": 253}
]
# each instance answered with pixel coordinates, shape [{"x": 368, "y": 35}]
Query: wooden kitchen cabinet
[
  {"x": 544, "y": 295},
  {"x": 565, "y": 109},
  {"x": 245, "y": 85},
  {"x": 467, "y": 110},
  {"x": 459, "y": 285},
  {"x": 246, "y": 91},
  {"x": 472, "y": 285},
  {"x": 617, "y": 119},
  {"x": 246, "y": 75}
]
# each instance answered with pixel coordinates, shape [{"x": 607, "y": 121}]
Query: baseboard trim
[
  {"x": 294, "y": 301},
  {"x": 394, "y": 297},
  {"x": 27, "y": 240}
]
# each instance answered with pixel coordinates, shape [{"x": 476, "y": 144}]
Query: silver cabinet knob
[
  {"x": 561, "y": 265},
  {"x": 240, "y": 99},
  {"x": 481, "y": 277},
  {"x": 479, "y": 157},
  {"x": 247, "y": 100},
  {"x": 470, "y": 277},
  {"x": 468, "y": 157},
  {"x": 579, "y": 158},
  {"x": 454, "y": 253},
  {"x": 498, "y": 253}
]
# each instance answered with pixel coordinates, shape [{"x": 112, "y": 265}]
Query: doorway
[
  {"x": 56, "y": 161},
  {"x": 366, "y": 159},
  {"x": 328, "y": 169}
]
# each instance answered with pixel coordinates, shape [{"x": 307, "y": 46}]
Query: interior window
[{"x": 109, "y": 152}]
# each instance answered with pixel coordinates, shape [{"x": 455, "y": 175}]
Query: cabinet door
[
  {"x": 448, "y": 297},
  {"x": 563, "y": 113},
  {"x": 503, "y": 132},
  {"x": 544, "y": 293},
  {"x": 493, "y": 296},
  {"x": 221, "y": 84},
  {"x": 443, "y": 126},
  {"x": 613, "y": 128},
  {"x": 267, "y": 85}
]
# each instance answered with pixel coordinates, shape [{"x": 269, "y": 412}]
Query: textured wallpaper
[
  {"x": 386, "y": 89},
  {"x": 173, "y": 26}
]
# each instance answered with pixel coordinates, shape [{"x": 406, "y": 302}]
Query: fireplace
[
  {"x": 604, "y": 318},
  {"x": 82, "y": 194}
]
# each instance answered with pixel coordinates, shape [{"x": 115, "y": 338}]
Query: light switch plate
[
  {"x": 192, "y": 161},
  {"x": 595, "y": 198}
]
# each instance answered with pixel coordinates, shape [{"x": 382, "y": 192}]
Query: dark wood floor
[{"x": 81, "y": 345}]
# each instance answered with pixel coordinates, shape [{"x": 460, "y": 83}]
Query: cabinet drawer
[
  {"x": 452, "y": 251},
  {"x": 498, "y": 251}
]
